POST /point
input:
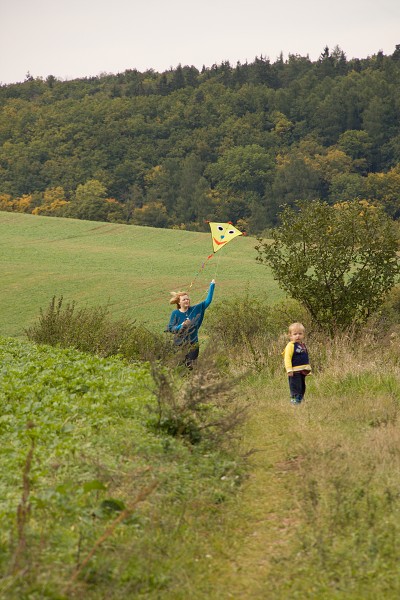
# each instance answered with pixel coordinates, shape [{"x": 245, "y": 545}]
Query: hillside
[
  {"x": 131, "y": 268},
  {"x": 230, "y": 143}
]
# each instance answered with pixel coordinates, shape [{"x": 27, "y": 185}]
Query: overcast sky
[{"x": 79, "y": 38}]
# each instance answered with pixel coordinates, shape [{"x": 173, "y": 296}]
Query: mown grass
[{"x": 130, "y": 268}]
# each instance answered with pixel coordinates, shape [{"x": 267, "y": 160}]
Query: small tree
[{"x": 338, "y": 261}]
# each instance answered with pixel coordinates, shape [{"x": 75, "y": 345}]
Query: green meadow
[
  {"x": 101, "y": 498},
  {"x": 132, "y": 269}
]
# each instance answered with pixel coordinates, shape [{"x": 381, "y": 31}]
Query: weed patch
[{"x": 201, "y": 407}]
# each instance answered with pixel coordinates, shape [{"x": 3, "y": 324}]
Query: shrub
[
  {"x": 339, "y": 261},
  {"x": 198, "y": 408},
  {"x": 386, "y": 320},
  {"x": 248, "y": 329},
  {"x": 91, "y": 329}
]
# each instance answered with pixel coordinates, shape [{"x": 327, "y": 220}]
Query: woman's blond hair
[{"x": 176, "y": 298}]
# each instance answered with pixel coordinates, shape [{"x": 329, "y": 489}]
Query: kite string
[
  {"x": 200, "y": 270},
  {"x": 216, "y": 268}
]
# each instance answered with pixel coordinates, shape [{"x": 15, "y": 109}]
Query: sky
[{"x": 83, "y": 38}]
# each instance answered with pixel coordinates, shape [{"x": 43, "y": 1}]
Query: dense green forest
[{"x": 174, "y": 149}]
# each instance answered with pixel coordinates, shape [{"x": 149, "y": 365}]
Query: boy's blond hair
[{"x": 296, "y": 325}]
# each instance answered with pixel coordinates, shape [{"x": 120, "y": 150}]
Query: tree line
[{"x": 177, "y": 148}]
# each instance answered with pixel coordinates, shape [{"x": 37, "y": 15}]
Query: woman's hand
[{"x": 212, "y": 280}]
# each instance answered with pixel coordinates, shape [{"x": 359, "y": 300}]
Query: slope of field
[{"x": 131, "y": 268}]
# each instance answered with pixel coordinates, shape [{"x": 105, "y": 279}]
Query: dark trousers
[
  {"x": 297, "y": 386},
  {"x": 191, "y": 355}
]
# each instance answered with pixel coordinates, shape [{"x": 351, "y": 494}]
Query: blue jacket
[
  {"x": 195, "y": 314},
  {"x": 296, "y": 357}
]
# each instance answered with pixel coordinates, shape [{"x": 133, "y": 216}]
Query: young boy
[{"x": 296, "y": 362}]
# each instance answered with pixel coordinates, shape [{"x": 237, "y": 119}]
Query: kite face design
[{"x": 222, "y": 233}]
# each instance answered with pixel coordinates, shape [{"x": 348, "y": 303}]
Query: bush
[
  {"x": 91, "y": 329},
  {"x": 384, "y": 325},
  {"x": 386, "y": 320},
  {"x": 339, "y": 261},
  {"x": 201, "y": 407},
  {"x": 249, "y": 330}
]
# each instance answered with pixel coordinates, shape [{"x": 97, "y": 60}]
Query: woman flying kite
[{"x": 185, "y": 320}]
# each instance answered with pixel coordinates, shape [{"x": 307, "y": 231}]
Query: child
[{"x": 296, "y": 362}]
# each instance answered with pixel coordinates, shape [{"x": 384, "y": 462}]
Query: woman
[{"x": 185, "y": 322}]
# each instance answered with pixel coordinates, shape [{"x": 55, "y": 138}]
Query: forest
[{"x": 227, "y": 142}]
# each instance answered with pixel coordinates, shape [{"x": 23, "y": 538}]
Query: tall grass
[
  {"x": 247, "y": 331},
  {"x": 347, "y": 503},
  {"x": 337, "y": 457}
]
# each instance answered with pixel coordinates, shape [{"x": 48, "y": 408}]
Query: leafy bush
[
  {"x": 339, "y": 261},
  {"x": 248, "y": 329},
  {"x": 386, "y": 321},
  {"x": 91, "y": 329}
]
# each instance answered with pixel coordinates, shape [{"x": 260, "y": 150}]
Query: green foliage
[
  {"x": 239, "y": 321},
  {"x": 91, "y": 329},
  {"x": 79, "y": 511},
  {"x": 242, "y": 169},
  {"x": 153, "y": 214},
  {"x": 247, "y": 330},
  {"x": 219, "y": 128},
  {"x": 91, "y": 190},
  {"x": 384, "y": 324},
  {"x": 338, "y": 261}
]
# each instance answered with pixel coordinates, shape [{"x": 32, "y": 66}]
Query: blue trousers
[
  {"x": 297, "y": 386},
  {"x": 192, "y": 355}
]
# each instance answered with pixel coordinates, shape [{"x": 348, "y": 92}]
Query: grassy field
[
  {"x": 131, "y": 268},
  {"x": 313, "y": 511},
  {"x": 314, "y": 516}
]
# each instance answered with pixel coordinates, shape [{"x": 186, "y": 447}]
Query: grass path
[
  {"x": 262, "y": 519},
  {"x": 318, "y": 516},
  {"x": 266, "y": 505}
]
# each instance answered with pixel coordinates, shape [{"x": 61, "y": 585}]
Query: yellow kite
[{"x": 222, "y": 233}]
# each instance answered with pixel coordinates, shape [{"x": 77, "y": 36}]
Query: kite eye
[
  {"x": 231, "y": 231},
  {"x": 220, "y": 228}
]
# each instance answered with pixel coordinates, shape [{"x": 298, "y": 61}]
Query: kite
[{"x": 222, "y": 233}]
